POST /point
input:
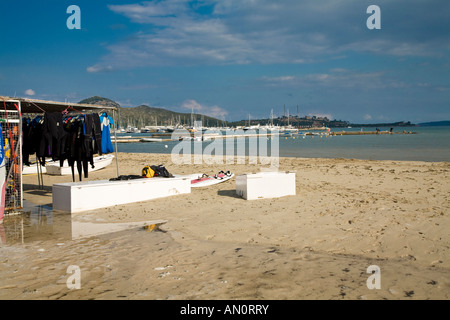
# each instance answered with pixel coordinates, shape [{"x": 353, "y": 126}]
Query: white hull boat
[
  {"x": 53, "y": 167},
  {"x": 152, "y": 140}
]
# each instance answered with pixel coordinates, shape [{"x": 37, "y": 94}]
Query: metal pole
[
  {"x": 115, "y": 141},
  {"x": 21, "y": 154}
]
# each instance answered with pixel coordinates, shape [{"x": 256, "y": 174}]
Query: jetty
[
  {"x": 125, "y": 140},
  {"x": 355, "y": 133},
  {"x": 164, "y": 137}
]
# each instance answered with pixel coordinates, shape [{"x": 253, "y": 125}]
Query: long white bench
[{"x": 82, "y": 196}]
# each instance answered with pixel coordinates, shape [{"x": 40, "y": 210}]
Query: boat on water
[
  {"x": 132, "y": 130},
  {"x": 153, "y": 140},
  {"x": 189, "y": 138},
  {"x": 54, "y": 168}
]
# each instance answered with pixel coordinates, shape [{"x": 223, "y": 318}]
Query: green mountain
[
  {"x": 100, "y": 101},
  {"x": 143, "y": 115}
]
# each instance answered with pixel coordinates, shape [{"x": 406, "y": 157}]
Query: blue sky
[{"x": 235, "y": 58}]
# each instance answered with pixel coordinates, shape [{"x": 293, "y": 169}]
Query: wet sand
[{"x": 346, "y": 216}]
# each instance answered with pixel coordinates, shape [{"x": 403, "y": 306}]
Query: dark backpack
[{"x": 161, "y": 171}]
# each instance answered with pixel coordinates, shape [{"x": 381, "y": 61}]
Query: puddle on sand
[
  {"x": 35, "y": 223},
  {"x": 41, "y": 223}
]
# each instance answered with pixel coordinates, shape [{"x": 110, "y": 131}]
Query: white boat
[
  {"x": 189, "y": 138},
  {"x": 33, "y": 169},
  {"x": 99, "y": 163},
  {"x": 132, "y": 130},
  {"x": 151, "y": 140},
  {"x": 53, "y": 167}
]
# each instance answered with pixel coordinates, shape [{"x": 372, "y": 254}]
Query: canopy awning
[{"x": 39, "y": 106}]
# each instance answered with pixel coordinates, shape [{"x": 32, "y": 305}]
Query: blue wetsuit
[{"x": 106, "y": 120}]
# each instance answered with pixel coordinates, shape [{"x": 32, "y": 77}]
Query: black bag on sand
[{"x": 161, "y": 171}]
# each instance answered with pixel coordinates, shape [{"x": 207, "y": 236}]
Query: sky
[{"x": 235, "y": 59}]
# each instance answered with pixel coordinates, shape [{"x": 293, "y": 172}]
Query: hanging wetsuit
[
  {"x": 52, "y": 136},
  {"x": 32, "y": 136},
  {"x": 97, "y": 134},
  {"x": 106, "y": 120},
  {"x": 74, "y": 144},
  {"x": 92, "y": 134},
  {"x": 27, "y": 143},
  {"x": 92, "y": 142}
]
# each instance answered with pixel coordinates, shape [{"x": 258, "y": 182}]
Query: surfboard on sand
[
  {"x": 203, "y": 180},
  {"x": 2, "y": 177}
]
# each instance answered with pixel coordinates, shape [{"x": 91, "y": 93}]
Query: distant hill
[
  {"x": 317, "y": 122},
  {"x": 100, "y": 101},
  {"x": 435, "y": 123},
  {"x": 305, "y": 122},
  {"x": 390, "y": 124},
  {"x": 143, "y": 115}
]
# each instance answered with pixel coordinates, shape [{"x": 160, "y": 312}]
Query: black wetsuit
[
  {"x": 83, "y": 142},
  {"x": 52, "y": 137}
]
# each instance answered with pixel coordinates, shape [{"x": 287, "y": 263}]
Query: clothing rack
[
  {"x": 70, "y": 137},
  {"x": 18, "y": 108}
]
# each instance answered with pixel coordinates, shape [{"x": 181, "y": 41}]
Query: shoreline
[{"x": 347, "y": 214}]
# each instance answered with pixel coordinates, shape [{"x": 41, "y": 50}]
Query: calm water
[{"x": 429, "y": 144}]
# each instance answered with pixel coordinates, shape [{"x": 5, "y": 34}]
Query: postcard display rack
[{"x": 11, "y": 124}]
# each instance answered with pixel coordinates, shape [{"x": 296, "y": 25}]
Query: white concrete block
[
  {"x": 265, "y": 185},
  {"x": 82, "y": 196}
]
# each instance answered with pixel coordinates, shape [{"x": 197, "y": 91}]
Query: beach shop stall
[{"x": 51, "y": 131}]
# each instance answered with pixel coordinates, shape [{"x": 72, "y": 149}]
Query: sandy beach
[{"x": 346, "y": 216}]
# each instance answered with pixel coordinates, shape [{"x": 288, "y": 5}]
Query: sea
[{"x": 431, "y": 144}]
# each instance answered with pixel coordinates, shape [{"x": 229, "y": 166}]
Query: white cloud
[
  {"x": 339, "y": 70},
  {"x": 212, "y": 111},
  {"x": 30, "y": 92},
  {"x": 367, "y": 117},
  {"x": 319, "y": 77},
  {"x": 151, "y": 12},
  {"x": 99, "y": 68},
  {"x": 175, "y": 32},
  {"x": 337, "y": 78},
  {"x": 279, "y": 79}
]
